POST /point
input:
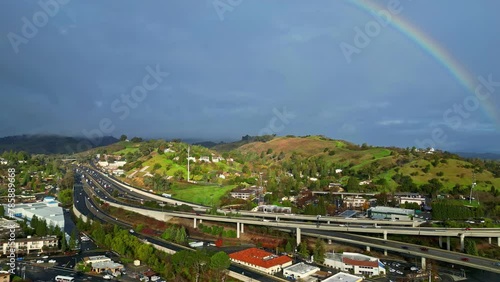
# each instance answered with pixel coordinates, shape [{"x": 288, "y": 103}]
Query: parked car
[
  {"x": 52, "y": 261},
  {"x": 465, "y": 259},
  {"x": 404, "y": 247},
  {"x": 424, "y": 249},
  {"x": 39, "y": 261},
  {"x": 107, "y": 277}
]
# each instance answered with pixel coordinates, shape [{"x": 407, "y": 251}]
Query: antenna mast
[
  {"x": 472, "y": 187},
  {"x": 189, "y": 147}
]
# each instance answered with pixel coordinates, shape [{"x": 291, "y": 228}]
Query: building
[
  {"x": 355, "y": 263},
  {"x": 102, "y": 263},
  {"x": 381, "y": 212},
  {"x": 49, "y": 210},
  {"x": 344, "y": 277},
  {"x": 3, "y": 161},
  {"x": 273, "y": 209},
  {"x": 261, "y": 260},
  {"x": 243, "y": 193},
  {"x": 354, "y": 202},
  {"x": 118, "y": 172},
  {"x": 300, "y": 271},
  {"x": 7, "y": 226},
  {"x": 408, "y": 198},
  {"x": 28, "y": 245},
  {"x": 4, "y": 276}
]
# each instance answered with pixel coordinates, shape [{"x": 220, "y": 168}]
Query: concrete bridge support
[
  {"x": 367, "y": 248},
  {"x": 242, "y": 227},
  {"x": 440, "y": 241},
  {"x": 498, "y": 241},
  {"x": 385, "y": 234},
  {"x": 423, "y": 263},
  {"x": 194, "y": 222},
  {"x": 237, "y": 230},
  {"x": 298, "y": 236},
  {"x": 489, "y": 240},
  {"x": 448, "y": 245},
  {"x": 462, "y": 242}
]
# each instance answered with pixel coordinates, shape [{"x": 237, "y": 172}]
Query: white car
[
  {"x": 52, "y": 261},
  {"x": 107, "y": 277},
  {"x": 155, "y": 278},
  {"x": 39, "y": 261}
]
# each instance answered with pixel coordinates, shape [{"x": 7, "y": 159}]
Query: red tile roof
[
  {"x": 256, "y": 256},
  {"x": 360, "y": 262}
]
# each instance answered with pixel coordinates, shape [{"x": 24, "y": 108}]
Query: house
[
  {"x": 217, "y": 159},
  {"x": 365, "y": 182},
  {"x": 408, "y": 198},
  {"x": 300, "y": 271},
  {"x": 3, "y": 161},
  {"x": 103, "y": 164},
  {"x": 355, "y": 263},
  {"x": 205, "y": 159},
  {"x": 116, "y": 164},
  {"x": 243, "y": 193},
  {"x": 338, "y": 170},
  {"x": 222, "y": 176},
  {"x": 313, "y": 179},
  {"x": 118, "y": 172},
  {"x": 168, "y": 150},
  {"x": 191, "y": 159},
  {"x": 261, "y": 260}
]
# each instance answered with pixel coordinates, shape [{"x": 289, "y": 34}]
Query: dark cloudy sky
[{"x": 233, "y": 72}]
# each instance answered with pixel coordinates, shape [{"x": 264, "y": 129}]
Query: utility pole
[
  {"x": 472, "y": 187},
  {"x": 189, "y": 147}
]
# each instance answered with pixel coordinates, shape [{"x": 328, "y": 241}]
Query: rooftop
[
  {"x": 107, "y": 265},
  {"x": 260, "y": 258},
  {"x": 301, "y": 268},
  {"x": 382, "y": 209},
  {"x": 345, "y": 277}
]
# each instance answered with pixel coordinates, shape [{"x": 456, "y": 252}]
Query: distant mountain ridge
[
  {"x": 52, "y": 144},
  {"x": 483, "y": 156}
]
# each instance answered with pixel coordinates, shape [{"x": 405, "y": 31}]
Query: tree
[
  {"x": 219, "y": 262},
  {"x": 288, "y": 247},
  {"x": 352, "y": 184},
  {"x": 123, "y": 137},
  {"x": 319, "y": 251},
  {"x": 66, "y": 197},
  {"x": 303, "y": 250}
]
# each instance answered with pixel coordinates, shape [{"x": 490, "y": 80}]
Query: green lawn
[{"x": 203, "y": 195}]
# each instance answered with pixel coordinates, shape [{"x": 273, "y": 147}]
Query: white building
[
  {"x": 48, "y": 210},
  {"x": 205, "y": 159},
  {"x": 338, "y": 170},
  {"x": 3, "y": 161},
  {"x": 168, "y": 150},
  {"x": 103, "y": 163},
  {"x": 354, "y": 202},
  {"x": 116, "y": 164},
  {"x": 28, "y": 245},
  {"x": 300, "y": 271},
  {"x": 118, "y": 172},
  {"x": 357, "y": 263}
]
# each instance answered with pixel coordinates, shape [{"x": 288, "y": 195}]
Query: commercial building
[
  {"x": 48, "y": 210},
  {"x": 102, "y": 263},
  {"x": 344, "y": 277},
  {"x": 409, "y": 198},
  {"x": 243, "y": 193},
  {"x": 354, "y": 202},
  {"x": 261, "y": 260},
  {"x": 355, "y": 263},
  {"x": 300, "y": 271},
  {"x": 8, "y": 226},
  {"x": 29, "y": 245},
  {"x": 380, "y": 212}
]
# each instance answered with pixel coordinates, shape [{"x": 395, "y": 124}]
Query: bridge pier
[
  {"x": 440, "y": 241},
  {"x": 242, "y": 227},
  {"x": 194, "y": 222},
  {"x": 448, "y": 245},
  {"x": 329, "y": 241},
  {"x": 462, "y": 242},
  {"x": 498, "y": 241},
  {"x": 385, "y": 234},
  {"x": 423, "y": 263},
  {"x": 489, "y": 240},
  {"x": 367, "y": 248},
  {"x": 385, "y": 252},
  {"x": 298, "y": 236},
  {"x": 237, "y": 230}
]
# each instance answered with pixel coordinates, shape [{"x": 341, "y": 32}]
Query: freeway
[
  {"x": 334, "y": 232},
  {"x": 86, "y": 205},
  {"x": 354, "y": 226}
]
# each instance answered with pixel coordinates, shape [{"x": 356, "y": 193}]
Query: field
[{"x": 203, "y": 195}]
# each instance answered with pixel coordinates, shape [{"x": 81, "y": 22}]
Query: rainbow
[{"x": 441, "y": 55}]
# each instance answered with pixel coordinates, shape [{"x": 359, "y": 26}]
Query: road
[{"x": 86, "y": 206}]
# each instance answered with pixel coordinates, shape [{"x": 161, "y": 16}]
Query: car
[
  {"x": 107, "y": 277},
  {"x": 465, "y": 259},
  {"x": 467, "y": 229},
  {"x": 131, "y": 231},
  {"x": 404, "y": 247},
  {"x": 424, "y": 249},
  {"x": 39, "y": 261},
  {"x": 52, "y": 261},
  {"x": 497, "y": 263}
]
